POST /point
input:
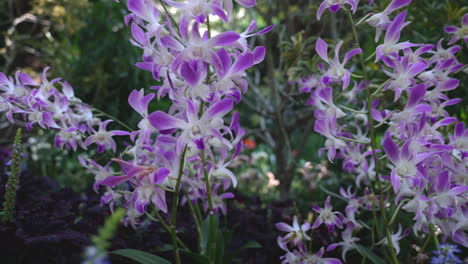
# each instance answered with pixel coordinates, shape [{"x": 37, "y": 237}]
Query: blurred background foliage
[{"x": 86, "y": 43}]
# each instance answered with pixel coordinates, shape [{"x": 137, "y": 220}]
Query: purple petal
[
  {"x": 321, "y": 48},
  {"x": 350, "y": 54},
  {"x": 394, "y": 30},
  {"x": 242, "y": 63},
  {"x": 247, "y": 3},
  {"x": 450, "y": 29},
  {"x": 159, "y": 199},
  {"x": 284, "y": 227},
  {"x": 163, "y": 121},
  {"x": 219, "y": 109},
  {"x": 114, "y": 180},
  {"x": 396, "y": 4},
  {"x": 391, "y": 149},
  {"x": 416, "y": 94},
  {"x": 465, "y": 20},
  {"x": 191, "y": 73},
  {"x": 395, "y": 179},
  {"x": 137, "y": 7},
  {"x": 323, "y": 6},
  {"x": 259, "y": 53},
  {"x": 224, "y": 39}
]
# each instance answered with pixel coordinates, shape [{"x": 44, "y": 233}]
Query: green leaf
[
  {"x": 198, "y": 258},
  {"x": 140, "y": 256},
  {"x": 369, "y": 255},
  {"x": 219, "y": 254},
  {"x": 205, "y": 232},
  {"x": 252, "y": 244}
]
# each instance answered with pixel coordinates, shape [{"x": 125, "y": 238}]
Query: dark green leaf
[
  {"x": 140, "y": 256},
  {"x": 252, "y": 244},
  {"x": 198, "y": 258},
  {"x": 369, "y": 255}
]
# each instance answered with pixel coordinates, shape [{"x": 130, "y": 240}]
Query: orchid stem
[
  {"x": 211, "y": 240},
  {"x": 394, "y": 258},
  {"x": 175, "y": 204},
  {"x": 113, "y": 118},
  {"x": 166, "y": 226}
]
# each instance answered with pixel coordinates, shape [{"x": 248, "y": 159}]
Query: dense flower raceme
[
  {"x": 44, "y": 104},
  {"x": 203, "y": 75},
  {"x": 426, "y": 167}
]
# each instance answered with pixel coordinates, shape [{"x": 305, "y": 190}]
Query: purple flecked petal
[
  {"x": 317, "y": 223},
  {"x": 331, "y": 261},
  {"x": 224, "y": 39},
  {"x": 405, "y": 151},
  {"x": 225, "y": 59},
  {"x": 265, "y": 30},
  {"x": 160, "y": 175},
  {"x": 417, "y": 68},
  {"x": 328, "y": 203},
  {"x": 396, "y": 4},
  {"x": 219, "y": 12},
  {"x": 449, "y": 84},
  {"x": 444, "y": 122},
  {"x": 137, "y": 7},
  {"x": 332, "y": 246},
  {"x": 259, "y": 54},
  {"x": 138, "y": 34},
  {"x": 242, "y": 63},
  {"x": 219, "y": 109},
  {"x": 191, "y": 72},
  {"x": 321, "y": 48},
  {"x": 114, "y": 180},
  {"x": 394, "y": 30},
  {"x": 163, "y": 121},
  {"x": 395, "y": 179},
  {"x": 284, "y": 227},
  {"x": 450, "y": 29},
  {"x": 459, "y": 129},
  {"x": 334, "y": 8},
  {"x": 252, "y": 26},
  {"x": 323, "y": 6},
  {"x": 391, "y": 149},
  {"x": 26, "y": 79},
  {"x": 247, "y": 3},
  {"x": 350, "y": 54},
  {"x": 320, "y": 126},
  {"x": 465, "y": 20},
  {"x": 416, "y": 94},
  {"x": 159, "y": 199},
  {"x": 443, "y": 182}
]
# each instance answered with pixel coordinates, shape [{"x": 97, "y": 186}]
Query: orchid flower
[
  {"x": 336, "y": 70},
  {"x": 296, "y": 233},
  {"x": 381, "y": 20},
  {"x": 335, "y": 5},
  {"x": 327, "y": 216},
  {"x": 458, "y": 33},
  {"x": 391, "y": 47}
]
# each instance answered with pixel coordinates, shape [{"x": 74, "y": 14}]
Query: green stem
[
  {"x": 373, "y": 146},
  {"x": 212, "y": 246},
  {"x": 175, "y": 203},
  {"x": 169, "y": 15},
  {"x": 195, "y": 217},
  {"x": 166, "y": 226},
  {"x": 113, "y": 118}
]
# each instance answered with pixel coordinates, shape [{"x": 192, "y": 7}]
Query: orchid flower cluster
[
  {"x": 420, "y": 168},
  {"x": 204, "y": 76},
  {"x": 44, "y": 104},
  {"x": 186, "y": 150}
]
